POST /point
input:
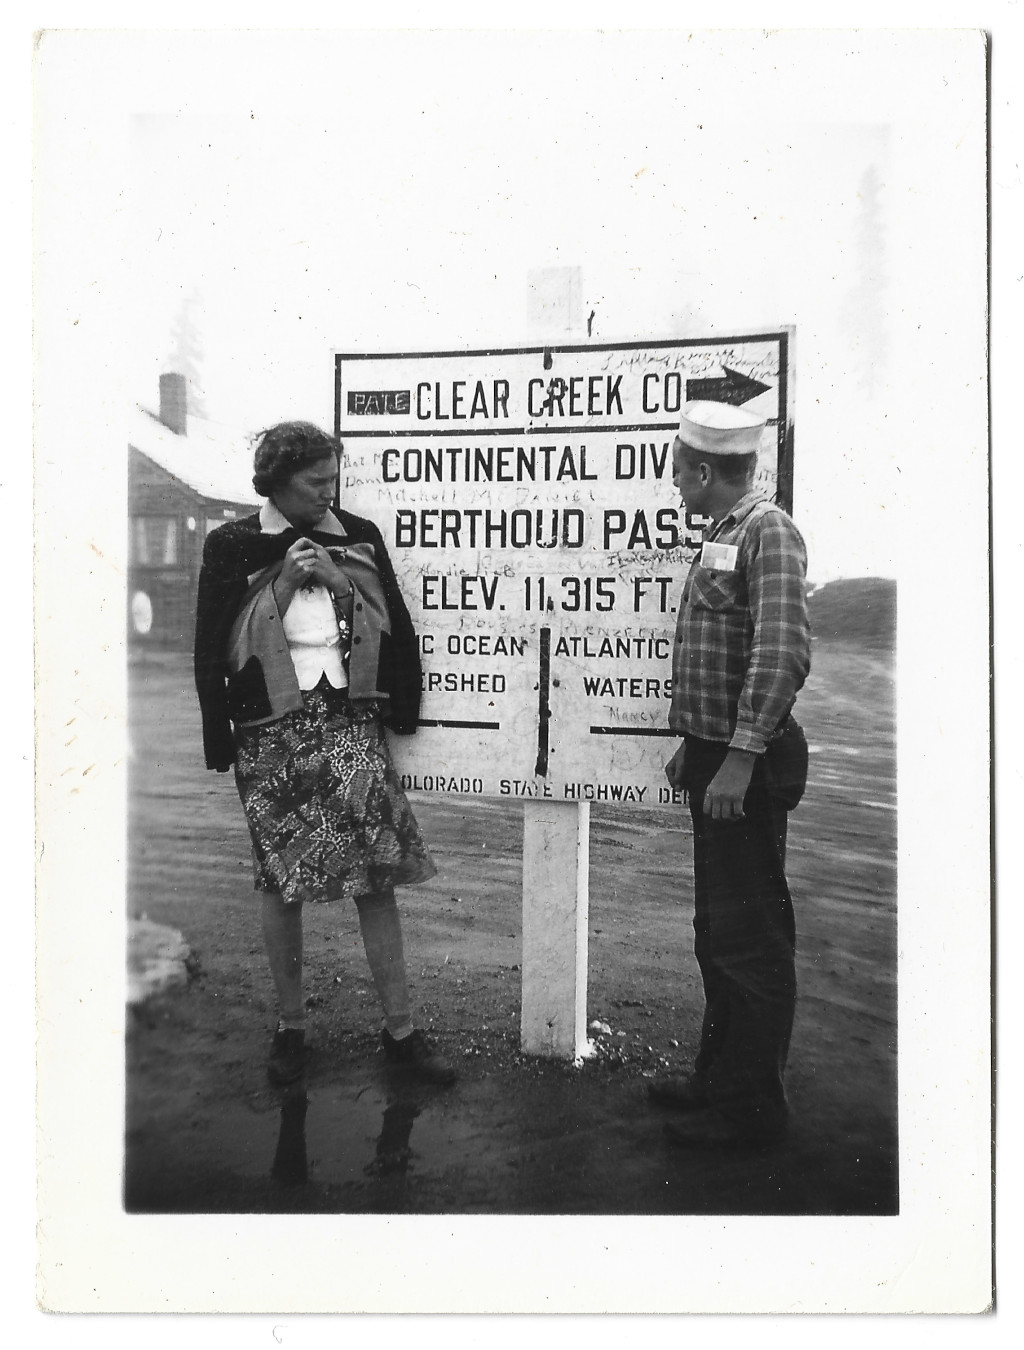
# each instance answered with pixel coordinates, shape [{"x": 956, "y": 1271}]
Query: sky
[{"x": 397, "y": 189}]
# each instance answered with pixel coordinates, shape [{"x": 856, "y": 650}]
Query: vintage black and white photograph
[{"x": 514, "y": 530}]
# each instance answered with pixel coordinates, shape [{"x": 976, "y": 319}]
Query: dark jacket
[{"x": 387, "y": 663}]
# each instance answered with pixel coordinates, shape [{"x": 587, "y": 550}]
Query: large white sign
[{"x": 526, "y": 499}]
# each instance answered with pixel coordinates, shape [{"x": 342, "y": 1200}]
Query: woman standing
[{"x": 304, "y": 653}]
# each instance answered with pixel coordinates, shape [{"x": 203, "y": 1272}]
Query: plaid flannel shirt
[{"x": 742, "y": 648}]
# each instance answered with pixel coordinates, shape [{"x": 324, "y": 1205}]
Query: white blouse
[
  {"x": 314, "y": 641},
  {"x": 310, "y": 624}
]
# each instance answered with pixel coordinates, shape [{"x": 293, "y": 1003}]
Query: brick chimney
[{"x": 174, "y": 403}]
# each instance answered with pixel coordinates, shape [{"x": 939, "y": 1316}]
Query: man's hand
[
  {"x": 674, "y": 768},
  {"x": 724, "y": 797}
]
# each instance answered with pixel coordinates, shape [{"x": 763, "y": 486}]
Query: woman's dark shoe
[
  {"x": 417, "y": 1051},
  {"x": 287, "y": 1056}
]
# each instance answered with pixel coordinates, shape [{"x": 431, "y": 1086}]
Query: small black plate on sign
[{"x": 378, "y": 402}]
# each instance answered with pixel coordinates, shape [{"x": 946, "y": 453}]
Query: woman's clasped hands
[{"x": 307, "y": 563}]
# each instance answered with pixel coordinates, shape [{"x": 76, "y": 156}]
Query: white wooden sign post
[
  {"x": 526, "y": 498},
  {"x": 556, "y": 865},
  {"x": 556, "y": 834}
]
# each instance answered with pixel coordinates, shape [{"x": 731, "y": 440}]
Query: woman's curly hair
[{"x": 285, "y": 449}]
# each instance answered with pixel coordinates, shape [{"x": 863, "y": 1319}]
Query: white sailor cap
[{"x": 720, "y": 429}]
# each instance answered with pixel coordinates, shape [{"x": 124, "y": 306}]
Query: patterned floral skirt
[{"x": 326, "y": 811}]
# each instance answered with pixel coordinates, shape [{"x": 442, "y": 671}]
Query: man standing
[{"x": 742, "y": 652}]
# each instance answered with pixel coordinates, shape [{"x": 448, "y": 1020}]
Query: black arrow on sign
[{"x": 734, "y": 388}]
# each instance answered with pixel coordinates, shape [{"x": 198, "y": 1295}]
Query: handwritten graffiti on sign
[{"x": 526, "y": 498}]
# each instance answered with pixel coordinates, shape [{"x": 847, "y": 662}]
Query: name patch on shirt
[{"x": 719, "y": 557}]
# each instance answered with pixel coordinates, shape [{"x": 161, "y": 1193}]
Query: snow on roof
[{"x": 212, "y": 459}]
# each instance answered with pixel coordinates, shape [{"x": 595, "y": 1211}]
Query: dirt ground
[{"x": 205, "y": 1133}]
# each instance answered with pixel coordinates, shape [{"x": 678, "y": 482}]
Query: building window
[{"x": 155, "y": 540}]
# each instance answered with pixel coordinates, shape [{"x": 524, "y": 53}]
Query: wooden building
[{"x": 186, "y": 476}]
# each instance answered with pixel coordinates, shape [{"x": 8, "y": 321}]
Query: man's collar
[
  {"x": 273, "y": 522},
  {"x": 743, "y": 506}
]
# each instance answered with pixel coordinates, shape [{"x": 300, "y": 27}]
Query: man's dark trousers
[{"x": 745, "y": 936}]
